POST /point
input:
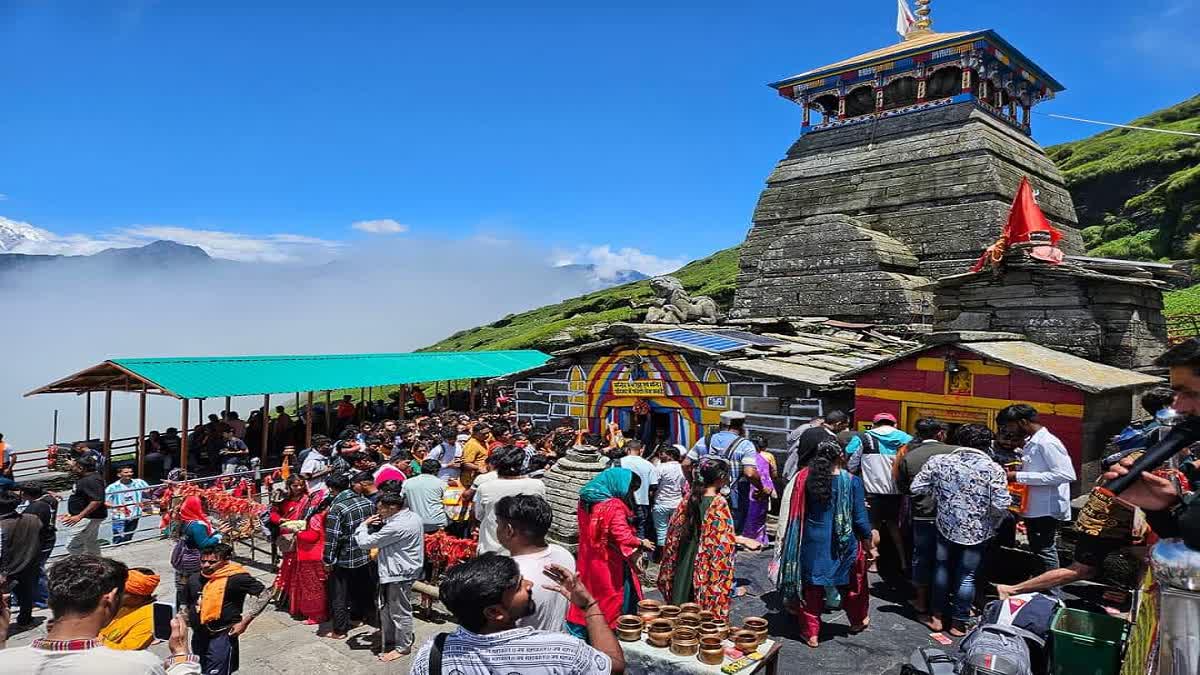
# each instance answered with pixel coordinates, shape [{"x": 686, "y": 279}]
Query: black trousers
[
  {"x": 351, "y": 596},
  {"x": 25, "y": 590},
  {"x": 217, "y": 651}
]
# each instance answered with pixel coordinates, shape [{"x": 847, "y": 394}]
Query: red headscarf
[{"x": 192, "y": 510}]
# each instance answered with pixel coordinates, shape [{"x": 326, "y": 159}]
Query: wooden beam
[
  {"x": 266, "y": 431},
  {"x": 87, "y": 417},
  {"x": 308, "y": 415},
  {"x": 228, "y": 402},
  {"x": 141, "y": 446},
  {"x": 200, "y": 411},
  {"x": 183, "y": 441},
  {"x": 328, "y": 428},
  {"x": 107, "y": 432}
]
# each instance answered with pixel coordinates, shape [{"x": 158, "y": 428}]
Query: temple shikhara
[
  {"x": 908, "y": 157},
  {"x": 892, "y": 265}
]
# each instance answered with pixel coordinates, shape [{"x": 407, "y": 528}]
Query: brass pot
[
  {"x": 688, "y": 620},
  {"x": 722, "y": 628},
  {"x": 706, "y": 615},
  {"x": 712, "y": 652},
  {"x": 690, "y": 608},
  {"x": 685, "y": 642},
  {"x": 758, "y": 625},
  {"x": 709, "y": 629},
  {"x": 627, "y": 635},
  {"x": 629, "y": 625},
  {"x": 668, "y": 611},
  {"x": 648, "y": 610},
  {"x": 746, "y": 641},
  {"x": 659, "y": 632}
]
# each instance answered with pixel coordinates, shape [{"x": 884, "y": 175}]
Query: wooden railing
[{"x": 1182, "y": 327}]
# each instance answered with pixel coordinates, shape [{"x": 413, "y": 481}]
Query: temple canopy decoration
[{"x": 924, "y": 70}]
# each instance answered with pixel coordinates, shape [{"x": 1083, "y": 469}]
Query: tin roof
[
  {"x": 209, "y": 377},
  {"x": 1061, "y": 367}
]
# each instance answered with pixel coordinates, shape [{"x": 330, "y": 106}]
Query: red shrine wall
[{"x": 921, "y": 386}]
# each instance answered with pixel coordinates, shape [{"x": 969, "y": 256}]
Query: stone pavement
[{"x": 277, "y": 644}]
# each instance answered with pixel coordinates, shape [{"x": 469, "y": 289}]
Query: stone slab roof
[
  {"x": 1054, "y": 365},
  {"x": 813, "y": 356}
]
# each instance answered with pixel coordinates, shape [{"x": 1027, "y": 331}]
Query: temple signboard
[{"x": 638, "y": 388}]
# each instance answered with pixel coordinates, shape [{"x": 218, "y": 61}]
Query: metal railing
[
  {"x": 32, "y": 462},
  {"x": 1181, "y": 327},
  {"x": 149, "y": 525}
]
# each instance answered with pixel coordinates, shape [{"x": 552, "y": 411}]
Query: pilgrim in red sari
[
  {"x": 697, "y": 563},
  {"x": 608, "y": 547},
  {"x": 301, "y": 578}
]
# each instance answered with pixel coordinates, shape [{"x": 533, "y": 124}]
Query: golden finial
[{"x": 924, "y": 22}]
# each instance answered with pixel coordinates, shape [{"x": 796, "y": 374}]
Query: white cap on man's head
[{"x": 732, "y": 416}]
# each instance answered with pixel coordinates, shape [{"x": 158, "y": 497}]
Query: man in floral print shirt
[{"x": 972, "y": 494}]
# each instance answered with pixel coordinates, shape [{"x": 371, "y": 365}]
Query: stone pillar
[{"x": 563, "y": 482}]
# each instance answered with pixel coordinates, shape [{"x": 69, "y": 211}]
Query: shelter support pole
[
  {"x": 362, "y": 396},
  {"x": 107, "y": 430},
  {"x": 308, "y": 415},
  {"x": 297, "y": 402},
  {"x": 199, "y": 411},
  {"x": 266, "y": 434},
  {"x": 183, "y": 433},
  {"x": 141, "y": 446},
  {"x": 228, "y": 402},
  {"x": 402, "y": 401},
  {"x": 472, "y": 396},
  {"x": 328, "y": 427},
  {"x": 87, "y": 417}
]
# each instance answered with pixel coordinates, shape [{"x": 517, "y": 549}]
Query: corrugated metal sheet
[{"x": 210, "y": 377}]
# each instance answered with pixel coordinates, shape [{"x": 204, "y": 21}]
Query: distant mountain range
[{"x": 163, "y": 254}]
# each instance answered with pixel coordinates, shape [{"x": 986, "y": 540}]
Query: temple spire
[{"x": 924, "y": 24}]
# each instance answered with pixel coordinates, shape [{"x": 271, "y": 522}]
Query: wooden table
[{"x": 642, "y": 658}]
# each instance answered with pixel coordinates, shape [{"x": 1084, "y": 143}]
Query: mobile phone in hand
[{"x": 163, "y": 613}]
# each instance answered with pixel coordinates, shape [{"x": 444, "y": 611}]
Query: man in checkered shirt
[{"x": 351, "y": 583}]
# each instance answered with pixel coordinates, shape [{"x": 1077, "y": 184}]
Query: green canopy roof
[{"x": 210, "y": 377}]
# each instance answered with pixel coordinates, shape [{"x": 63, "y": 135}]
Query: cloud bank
[
  {"x": 381, "y": 226},
  {"x": 608, "y": 262}
]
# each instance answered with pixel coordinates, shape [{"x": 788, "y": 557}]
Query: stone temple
[{"x": 907, "y": 162}]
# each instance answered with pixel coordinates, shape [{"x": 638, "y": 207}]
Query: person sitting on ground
[
  {"x": 487, "y": 596},
  {"x": 235, "y": 454},
  {"x": 522, "y": 522},
  {"x": 398, "y": 534},
  {"x": 133, "y": 626},
  {"x": 85, "y": 594}
]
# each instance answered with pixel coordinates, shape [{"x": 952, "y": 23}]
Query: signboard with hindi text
[{"x": 638, "y": 388}]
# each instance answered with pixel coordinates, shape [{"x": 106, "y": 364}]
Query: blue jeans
[
  {"x": 123, "y": 530},
  {"x": 662, "y": 518},
  {"x": 960, "y": 564},
  {"x": 924, "y": 551}
]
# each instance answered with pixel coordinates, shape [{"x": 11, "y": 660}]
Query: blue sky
[{"x": 642, "y": 127}]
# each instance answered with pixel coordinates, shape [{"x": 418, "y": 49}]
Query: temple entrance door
[{"x": 661, "y": 429}]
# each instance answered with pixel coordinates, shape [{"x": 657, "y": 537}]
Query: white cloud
[
  {"x": 3, "y": 197},
  {"x": 273, "y": 248},
  {"x": 608, "y": 262},
  {"x": 380, "y": 226}
]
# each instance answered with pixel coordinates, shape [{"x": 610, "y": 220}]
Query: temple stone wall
[
  {"x": 1114, "y": 321},
  {"x": 938, "y": 182}
]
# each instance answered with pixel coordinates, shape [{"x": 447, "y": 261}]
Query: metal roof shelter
[
  {"x": 200, "y": 378},
  {"x": 214, "y": 376}
]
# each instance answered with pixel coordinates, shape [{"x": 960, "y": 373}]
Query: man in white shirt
[
  {"x": 646, "y": 471},
  {"x": 1047, "y": 469},
  {"x": 509, "y": 462},
  {"x": 672, "y": 483},
  {"x": 487, "y": 595},
  {"x": 316, "y": 467},
  {"x": 522, "y": 522},
  {"x": 85, "y": 594},
  {"x": 448, "y": 453}
]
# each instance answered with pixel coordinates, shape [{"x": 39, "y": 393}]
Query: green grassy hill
[
  {"x": 1137, "y": 193},
  {"x": 712, "y": 276}
]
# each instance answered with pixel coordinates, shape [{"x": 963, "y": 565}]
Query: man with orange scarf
[
  {"x": 133, "y": 626},
  {"x": 215, "y": 597}
]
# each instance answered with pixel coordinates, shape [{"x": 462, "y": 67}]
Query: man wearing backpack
[
  {"x": 873, "y": 454},
  {"x": 731, "y": 446}
]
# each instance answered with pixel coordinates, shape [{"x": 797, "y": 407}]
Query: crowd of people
[{"x": 927, "y": 510}]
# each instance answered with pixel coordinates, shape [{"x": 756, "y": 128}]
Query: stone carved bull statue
[{"x": 672, "y": 304}]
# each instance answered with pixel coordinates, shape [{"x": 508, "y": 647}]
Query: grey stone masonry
[
  {"x": 935, "y": 185},
  {"x": 1113, "y": 320}
]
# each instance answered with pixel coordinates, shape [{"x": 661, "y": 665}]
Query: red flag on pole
[{"x": 1026, "y": 224}]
